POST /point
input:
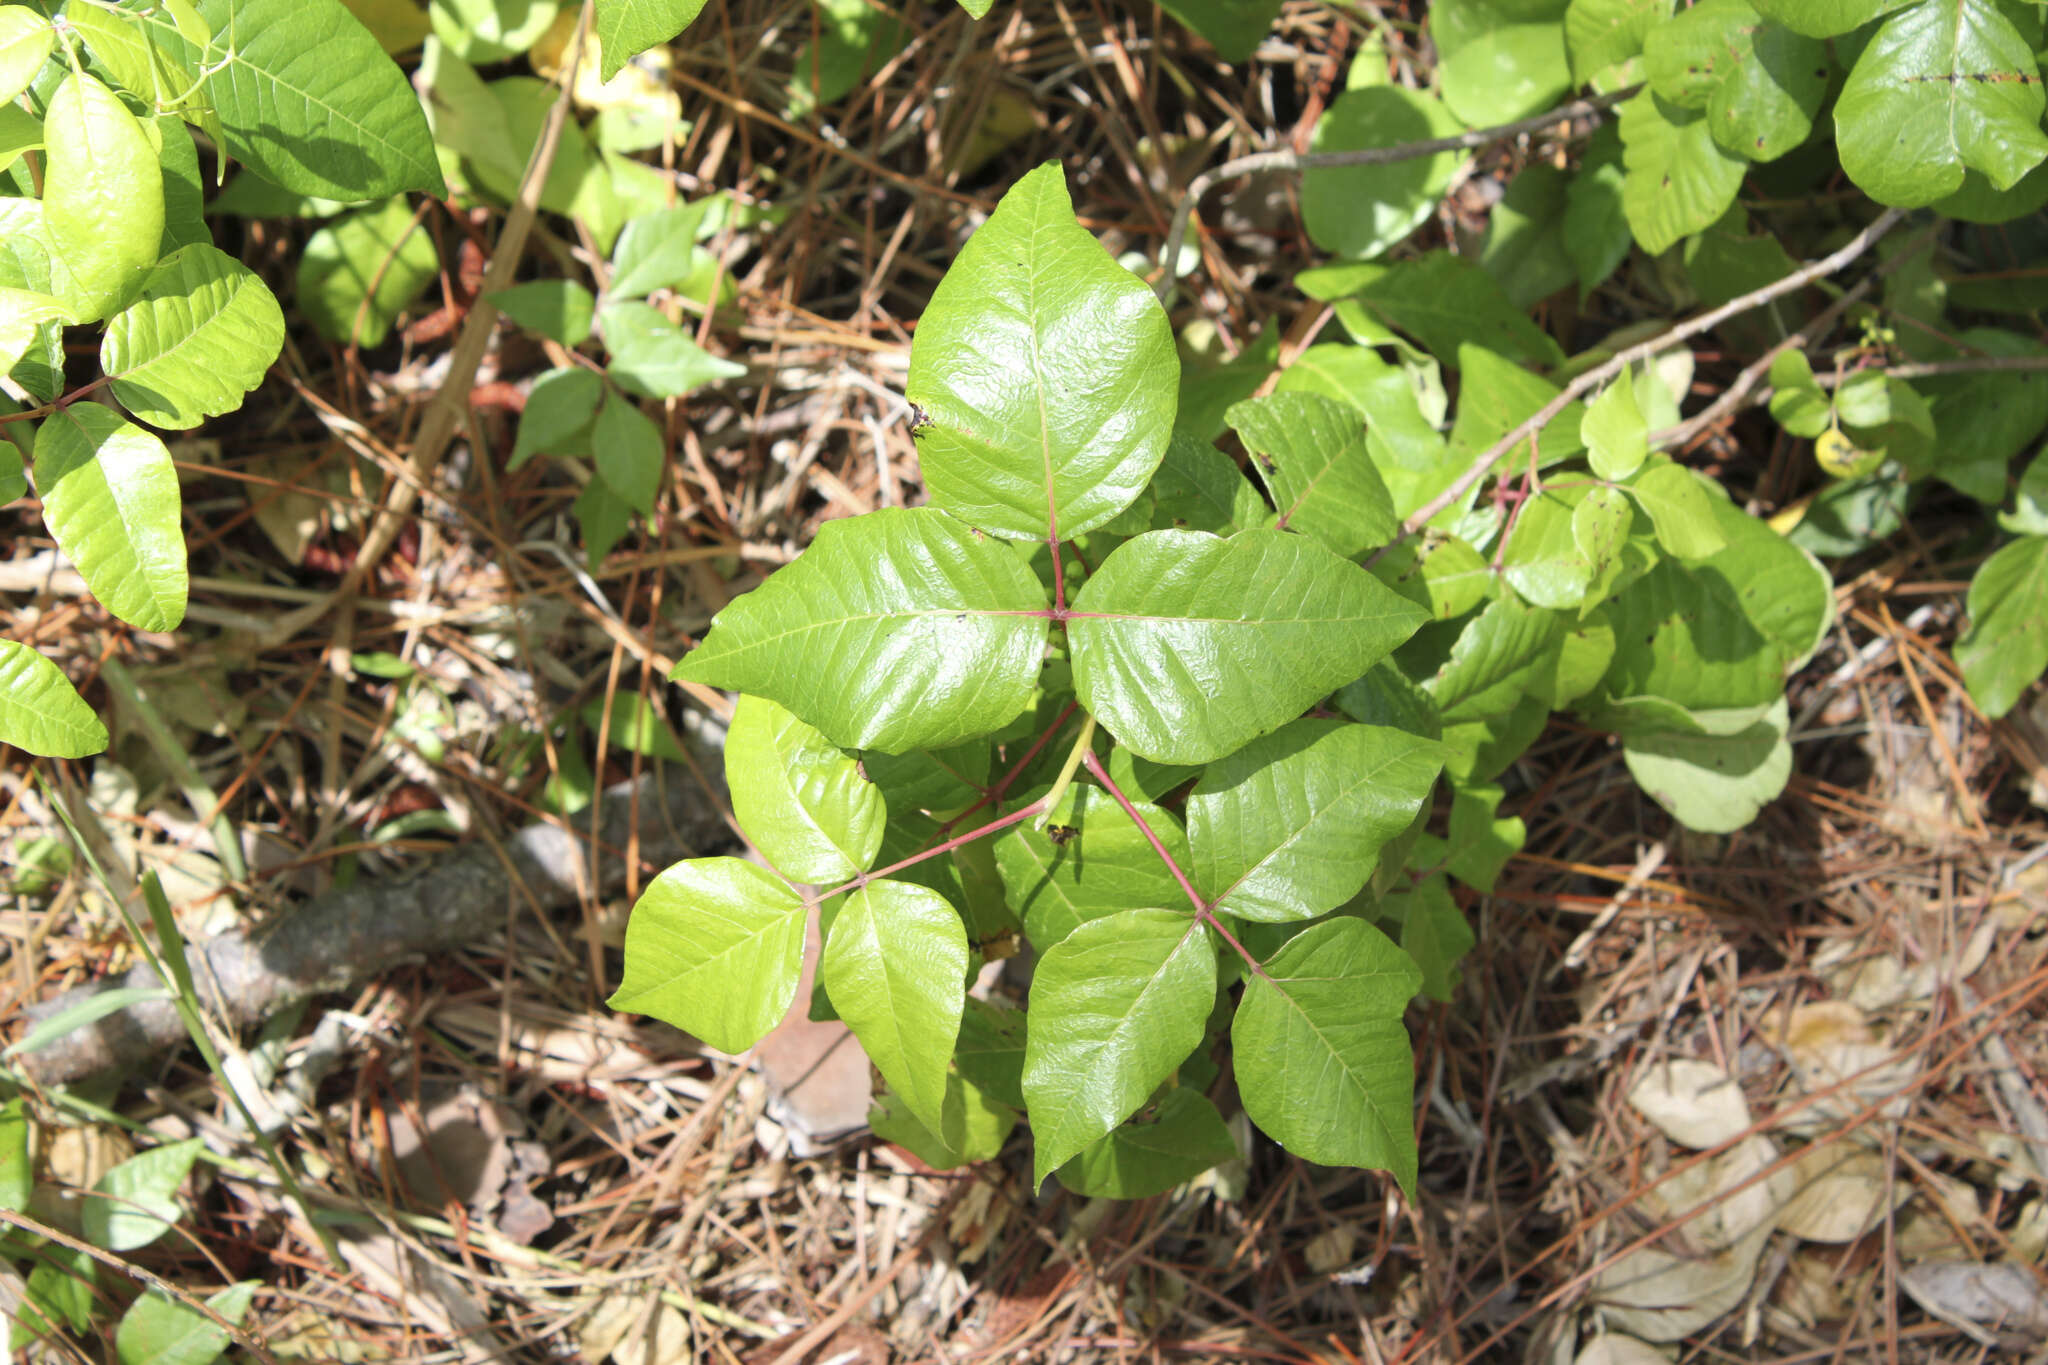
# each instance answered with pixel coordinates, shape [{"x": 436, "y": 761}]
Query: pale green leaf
[
  {"x": 2030, "y": 505},
  {"x": 898, "y": 630},
  {"x": 1600, "y": 528},
  {"x": 1986, "y": 418},
  {"x": 1186, "y": 646},
  {"x": 95, "y": 1005},
  {"x": 1480, "y": 842},
  {"x": 27, "y": 264},
  {"x": 203, "y": 333},
  {"x": 1045, "y": 374},
  {"x": 135, "y": 1203},
  {"x": 1525, "y": 248},
  {"x": 1486, "y": 673},
  {"x": 628, "y": 447},
  {"x": 1362, "y": 211},
  {"x": 1166, "y": 1145},
  {"x": 1323, "y": 1064},
  {"x": 561, "y": 310},
  {"x": 1604, "y": 36},
  {"x": 654, "y": 357},
  {"x": 854, "y": 40},
  {"x": 110, "y": 498},
  {"x": 17, "y": 1175},
  {"x": 1678, "y": 506},
  {"x": 1713, "y": 782},
  {"x": 1290, "y": 826},
  {"x": 1543, "y": 559},
  {"x": 20, "y": 131},
  {"x": 1506, "y": 73},
  {"x": 1087, "y": 860},
  {"x": 626, "y": 28},
  {"x": 484, "y": 31},
  {"x": 160, "y": 1330},
  {"x": 498, "y": 136},
  {"x": 1449, "y": 303},
  {"x": 184, "y": 191},
  {"x": 1497, "y": 396},
  {"x": 895, "y": 962},
  {"x": 1596, "y": 229},
  {"x": 657, "y": 251},
  {"x": 23, "y": 312},
  {"x": 2005, "y": 647},
  {"x": 103, "y": 198},
  {"x": 560, "y": 415},
  {"x": 980, "y": 1123},
  {"x": 1440, "y": 573},
  {"x": 1944, "y": 86},
  {"x": 1759, "y": 85},
  {"x": 800, "y": 799},
  {"x": 1433, "y": 932},
  {"x": 1796, "y": 400},
  {"x": 1116, "y": 1006},
  {"x": 634, "y": 725},
  {"x": 40, "y": 711},
  {"x": 714, "y": 947},
  {"x": 1614, "y": 430},
  {"x": 1311, "y": 453},
  {"x": 357, "y": 274},
  {"x": 26, "y": 39},
  {"x": 1678, "y": 178}
]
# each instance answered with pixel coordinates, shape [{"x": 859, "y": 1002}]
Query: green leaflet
[
  {"x": 628, "y": 447},
  {"x": 1448, "y": 303},
  {"x": 1825, "y": 18},
  {"x": 2005, "y": 647},
  {"x": 655, "y": 358},
  {"x": 110, "y": 497},
  {"x": 135, "y": 1203},
  {"x": 1322, "y": 1061},
  {"x": 560, "y": 415},
  {"x": 941, "y": 627},
  {"x": 1679, "y": 507},
  {"x": 160, "y": 1330},
  {"x": 1759, "y": 85},
  {"x": 1087, "y": 861},
  {"x": 40, "y": 711},
  {"x": 1290, "y": 826},
  {"x": 1487, "y": 671},
  {"x": 1186, "y": 646},
  {"x": 491, "y": 30},
  {"x": 1718, "y": 776},
  {"x": 17, "y": 1175},
  {"x": 1116, "y": 1006},
  {"x": 1171, "y": 1144},
  {"x": 980, "y": 1123},
  {"x": 26, "y": 39},
  {"x": 1525, "y": 248},
  {"x": 626, "y": 28},
  {"x": 1233, "y": 27},
  {"x": 1440, "y": 573},
  {"x": 1506, "y": 73},
  {"x": 203, "y": 333},
  {"x": 1614, "y": 429},
  {"x": 1311, "y": 452},
  {"x": 895, "y": 963},
  {"x": 1943, "y": 86},
  {"x": 1498, "y": 396},
  {"x": 561, "y": 310},
  {"x": 1605, "y": 36},
  {"x": 1596, "y": 228},
  {"x": 1199, "y": 488},
  {"x": 714, "y": 947},
  {"x": 359, "y": 273},
  {"x": 1544, "y": 560},
  {"x": 1679, "y": 179},
  {"x": 1433, "y": 932},
  {"x": 1361, "y": 212},
  {"x": 801, "y": 800},
  {"x": 103, "y": 199},
  {"x": 1045, "y": 373},
  {"x": 658, "y": 251}
]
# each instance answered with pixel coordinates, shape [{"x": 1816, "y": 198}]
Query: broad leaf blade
[
  {"x": 1758, "y": 84},
  {"x": 1116, "y": 1006},
  {"x": 900, "y": 630},
  {"x": 1290, "y": 826},
  {"x": 1362, "y": 211},
  {"x": 1153, "y": 1152},
  {"x": 1312, "y": 454},
  {"x": 1715, "y": 782},
  {"x": 801, "y": 799},
  {"x": 103, "y": 198},
  {"x": 160, "y": 1330},
  {"x": 714, "y": 947},
  {"x": 1322, "y": 1061},
  {"x": 2005, "y": 647},
  {"x": 626, "y": 28},
  {"x": 1089, "y": 861},
  {"x": 358, "y": 273},
  {"x": 896, "y": 965},
  {"x": 110, "y": 497},
  {"x": 1187, "y": 646},
  {"x": 1047, "y": 371},
  {"x": 135, "y": 1202},
  {"x": 40, "y": 711},
  {"x": 202, "y": 335},
  {"x": 1679, "y": 179}
]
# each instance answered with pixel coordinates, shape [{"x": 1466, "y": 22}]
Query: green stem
[{"x": 1066, "y": 777}]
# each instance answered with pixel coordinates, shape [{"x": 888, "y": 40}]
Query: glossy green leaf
[
  {"x": 1678, "y": 178},
  {"x": 1506, "y": 73},
  {"x": 23, "y": 313},
  {"x": 941, "y": 780},
  {"x": 1678, "y": 505},
  {"x": 1480, "y": 842},
  {"x": 203, "y": 334},
  {"x": 1046, "y": 373},
  {"x": 561, "y": 310},
  {"x": 657, "y": 251},
  {"x": 990, "y": 1052},
  {"x": 1497, "y": 396},
  {"x": 103, "y": 198},
  {"x": 1233, "y": 27},
  {"x": 560, "y": 416},
  {"x": 17, "y": 1175},
  {"x": 628, "y": 447},
  {"x": 1322, "y": 1062},
  {"x": 1825, "y": 18},
  {"x": 1361, "y": 212},
  {"x": 714, "y": 947},
  {"x": 1796, "y": 400},
  {"x": 1088, "y": 861},
  {"x": 1433, "y": 932},
  {"x": 1603, "y": 37},
  {"x": 654, "y": 357},
  {"x": 1600, "y": 528},
  {"x": 980, "y": 1123},
  {"x": 1447, "y": 303},
  {"x": 1544, "y": 560},
  {"x": 1166, "y": 1145},
  {"x": 359, "y": 273},
  {"x": 135, "y": 1203},
  {"x": 1596, "y": 228},
  {"x": 894, "y": 631},
  {"x": 40, "y": 711},
  {"x": 896, "y": 964},
  {"x": 800, "y": 799},
  {"x": 184, "y": 193},
  {"x": 1210, "y": 381},
  {"x": 1614, "y": 430},
  {"x": 1199, "y": 488},
  {"x": 1440, "y": 573},
  {"x": 1186, "y": 646},
  {"x": 160, "y": 1330},
  {"x": 1486, "y": 673},
  {"x": 626, "y": 28},
  {"x": 1116, "y": 1006},
  {"x": 1290, "y": 826},
  {"x": 2005, "y": 647},
  {"x": 110, "y": 498},
  {"x": 1943, "y": 86},
  {"x": 1311, "y": 453},
  {"x": 26, "y": 39},
  {"x": 1758, "y": 84},
  {"x": 1715, "y": 782}
]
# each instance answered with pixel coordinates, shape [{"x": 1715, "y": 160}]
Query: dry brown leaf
[
  {"x": 1330, "y": 1250},
  {"x": 663, "y": 1341},
  {"x": 1691, "y": 1102},
  {"x": 1928, "y": 1227},
  {"x": 1661, "y": 1297},
  {"x": 1618, "y": 1348},
  {"x": 1735, "y": 1205},
  {"x": 1840, "y": 1193},
  {"x": 1829, "y": 1041},
  {"x": 1811, "y": 1289},
  {"x": 1993, "y": 1303}
]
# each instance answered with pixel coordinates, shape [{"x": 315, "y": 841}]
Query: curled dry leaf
[
  {"x": 1840, "y": 1193},
  {"x": 1617, "y": 1348},
  {"x": 1691, "y": 1102},
  {"x": 1832, "y": 1043},
  {"x": 1812, "y": 1289},
  {"x": 1993, "y": 1303}
]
